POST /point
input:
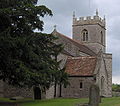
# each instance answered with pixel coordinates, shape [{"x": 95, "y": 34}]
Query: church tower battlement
[
  {"x": 89, "y": 20},
  {"x": 90, "y": 31}
]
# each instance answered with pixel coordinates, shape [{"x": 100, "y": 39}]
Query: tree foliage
[
  {"x": 116, "y": 87},
  {"x": 26, "y": 58}
]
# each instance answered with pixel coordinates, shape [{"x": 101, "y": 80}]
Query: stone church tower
[{"x": 90, "y": 31}]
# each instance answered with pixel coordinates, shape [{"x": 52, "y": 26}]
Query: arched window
[
  {"x": 81, "y": 84},
  {"x": 85, "y": 35},
  {"x": 101, "y": 37},
  {"x": 102, "y": 82}
]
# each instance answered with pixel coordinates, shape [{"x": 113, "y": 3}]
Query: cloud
[
  {"x": 116, "y": 79},
  {"x": 66, "y": 7}
]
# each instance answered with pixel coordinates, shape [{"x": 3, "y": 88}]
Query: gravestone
[
  {"x": 17, "y": 98},
  {"x": 94, "y": 95}
]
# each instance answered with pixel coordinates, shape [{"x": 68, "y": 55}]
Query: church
[{"x": 85, "y": 59}]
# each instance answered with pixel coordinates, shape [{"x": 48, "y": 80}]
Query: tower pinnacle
[
  {"x": 73, "y": 14},
  {"x": 96, "y": 12},
  {"x": 104, "y": 17}
]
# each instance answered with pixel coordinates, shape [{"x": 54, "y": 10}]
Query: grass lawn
[
  {"x": 114, "y": 101},
  {"x": 55, "y": 102},
  {"x": 21, "y": 100}
]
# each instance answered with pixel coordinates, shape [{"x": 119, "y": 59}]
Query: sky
[{"x": 62, "y": 17}]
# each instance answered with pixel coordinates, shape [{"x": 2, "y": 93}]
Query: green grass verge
[
  {"x": 21, "y": 100},
  {"x": 5, "y": 100},
  {"x": 114, "y": 101},
  {"x": 55, "y": 102}
]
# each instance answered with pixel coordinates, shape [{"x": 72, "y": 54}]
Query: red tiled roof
[{"x": 81, "y": 66}]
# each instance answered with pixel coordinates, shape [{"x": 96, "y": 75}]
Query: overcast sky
[{"x": 62, "y": 17}]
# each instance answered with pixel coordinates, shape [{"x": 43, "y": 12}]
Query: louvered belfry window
[{"x": 85, "y": 35}]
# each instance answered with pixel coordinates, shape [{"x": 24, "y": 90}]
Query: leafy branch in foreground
[{"x": 27, "y": 58}]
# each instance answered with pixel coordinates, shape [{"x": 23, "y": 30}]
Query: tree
[
  {"x": 19, "y": 19},
  {"x": 57, "y": 49},
  {"x": 63, "y": 80},
  {"x": 61, "y": 77},
  {"x": 26, "y": 57},
  {"x": 116, "y": 87}
]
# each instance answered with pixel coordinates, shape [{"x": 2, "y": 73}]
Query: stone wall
[
  {"x": 102, "y": 79},
  {"x": 108, "y": 62},
  {"x": 50, "y": 93},
  {"x": 96, "y": 47},
  {"x": 115, "y": 94},
  {"x": 104, "y": 75},
  {"x": 10, "y": 91},
  {"x": 1, "y": 88},
  {"x": 62, "y": 57},
  {"x": 74, "y": 90}
]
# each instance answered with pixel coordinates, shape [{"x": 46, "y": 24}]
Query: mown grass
[
  {"x": 20, "y": 100},
  {"x": 56, "y": 102},
  {"x": 5, "y": 100},
  {"x": 114, "y": 101}
]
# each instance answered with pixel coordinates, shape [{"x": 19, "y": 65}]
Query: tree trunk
[
  {"x": 60, "y": 91},
  {"x": 55, "y": 90}
]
